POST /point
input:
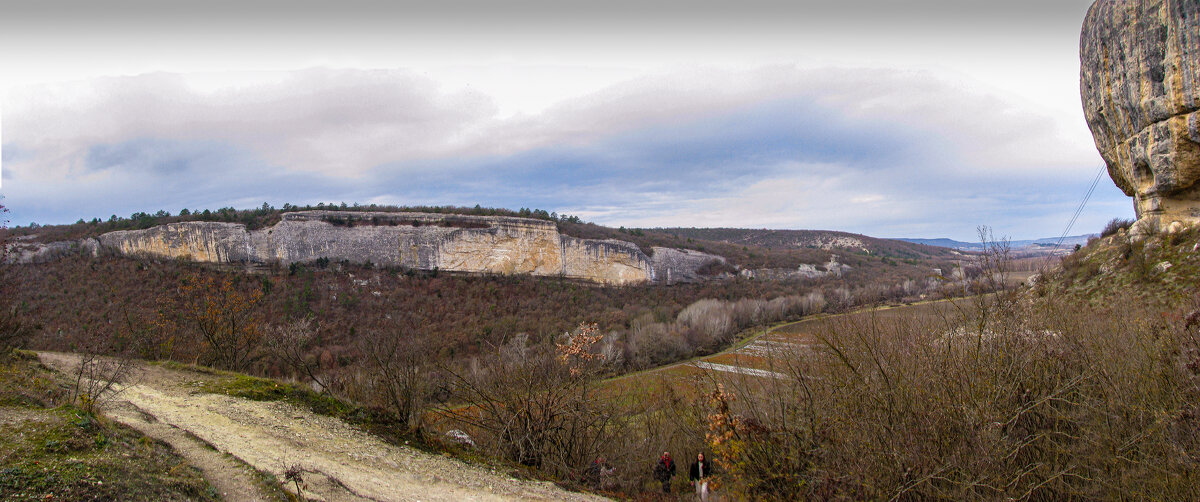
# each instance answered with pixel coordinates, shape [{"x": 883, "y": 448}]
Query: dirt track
[{"x": 338, "y": 461}]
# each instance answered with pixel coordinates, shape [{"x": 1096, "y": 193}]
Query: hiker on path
[
  {"x": 664, "y": 471},
  {"x": 597, "y": 473},
  {"x": 699, "y": 474}
]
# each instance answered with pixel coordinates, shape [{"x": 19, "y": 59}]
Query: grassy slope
[
  {"x": 53, "y": 450},
  {"x": 1161, "y": 271}
]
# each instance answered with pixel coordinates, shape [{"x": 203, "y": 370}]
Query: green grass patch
[
  {"x": 263, "y": 389},
  {"x": 25, "y": 382},
  {"x": 66, "y": 454}
]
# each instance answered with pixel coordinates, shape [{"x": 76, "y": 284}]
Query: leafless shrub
[
  {"x": 291, "y": 344},
  {"x": 99, "y": 379},
  {"x": 1115, "y": 225},
  {"x": 396, "y": 374},
  {"x": 223, "y": 316},
  {"x": 15, "y": 329},
  {"x": 1055, "y": 402},
  {"x": 294, "y": 474},
  {"x": 539, "y": 407}
]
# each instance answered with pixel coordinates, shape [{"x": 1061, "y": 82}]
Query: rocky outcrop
[
  {"x": 1140, "y": 83},
  {"x": 22, "y": 251},
  {"x": 621, "y": 262},
  {"x": 454, "y": 243},
  {"x": 804, "y": 271},
  {"x": 202, "y": 241},
  {"x": 672, "y": 265}
]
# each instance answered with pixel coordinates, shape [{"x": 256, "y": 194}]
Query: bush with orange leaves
[
  {"x": 754, "y": 461},
  {"x": 224, "y": 318},
  {"x": 539, "y": 407},
  {"x": 577, "y": 353}
]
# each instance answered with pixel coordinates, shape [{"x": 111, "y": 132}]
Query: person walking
[
  {"x": 664, "y": 471},
  {"x": 595, "y": 475},
  {"x": 698, "y": 475}
]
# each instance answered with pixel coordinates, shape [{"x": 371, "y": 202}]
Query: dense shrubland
[
  {"x": 188, "y": 312},
  {"x": 1081, "y": 387},
  {"x": 1049, "y": 400},
  {"x": 515, "y": 360},
  {"x": 1073, "y": 389}
]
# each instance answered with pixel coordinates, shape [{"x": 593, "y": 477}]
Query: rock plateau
[{"x": 422, "y": 241}]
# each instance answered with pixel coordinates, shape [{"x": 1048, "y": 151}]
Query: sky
[{"x": 920, "y": 118}]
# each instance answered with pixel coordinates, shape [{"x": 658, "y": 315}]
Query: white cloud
[
  {"x": 888, "y": 144},
  {"x": 333, "y": 121}
]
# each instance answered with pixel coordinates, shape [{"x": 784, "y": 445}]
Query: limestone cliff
[
  {"x": 804, "y": 271},
  {"x": 455, "y": 243},
  {"x": 621, "y": 262},
  {"x": 1140, "y": 84}
]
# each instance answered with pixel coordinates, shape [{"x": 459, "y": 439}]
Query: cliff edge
[{"x": 421, "y": 241}]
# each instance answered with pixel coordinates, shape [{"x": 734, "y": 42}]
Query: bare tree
[
  {"x": 225, "y": 318},
  {"x": 539, "y": 407},
  {"x": 397, "y": 372},
  {"x": 14, "y": 328},
  {"x": 290, "y": 344}
]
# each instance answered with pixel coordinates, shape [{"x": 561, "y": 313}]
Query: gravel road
[{"x": 338, "y": 462}]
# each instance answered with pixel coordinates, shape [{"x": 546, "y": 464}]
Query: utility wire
[{"x": 1075, "y": 217}]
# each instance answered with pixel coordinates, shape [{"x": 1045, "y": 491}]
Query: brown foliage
[
  {"x": 396, "y": 373},
  {"x": 538, "y": 407},
  {"x": 223, "y": 316}
]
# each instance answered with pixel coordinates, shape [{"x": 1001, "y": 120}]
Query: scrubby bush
[
  {"x": 1115, "y": 225},
  {"x": 222, "y": 315},
  {"x": 1048, "y": 401},
  {"x": 539, "y": 407}
]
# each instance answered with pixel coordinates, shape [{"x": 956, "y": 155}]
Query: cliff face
[
  {"x": 619, "y": 261},
  {"x": 456, "y": 243},
  {"x": 1140, "y": 84}
]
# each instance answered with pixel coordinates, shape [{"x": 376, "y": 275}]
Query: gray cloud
[
  {"x": 340, "y": 121},
  {"x": 877, "y": 151}
]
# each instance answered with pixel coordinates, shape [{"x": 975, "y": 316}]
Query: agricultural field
[{"x": 761, "y": 354}]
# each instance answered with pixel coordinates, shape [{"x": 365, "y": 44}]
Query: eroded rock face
[
  {"x": 620, "y": 261},
  {"x": 1140, "y": 83},
  {"x": 672, "y": 265},
  {"x": 455, "y": 243}
]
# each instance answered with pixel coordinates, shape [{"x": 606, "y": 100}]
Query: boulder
[{"x": 1140, "y": 85}]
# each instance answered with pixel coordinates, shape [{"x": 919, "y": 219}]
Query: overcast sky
[{"x": 892, "y": 118}]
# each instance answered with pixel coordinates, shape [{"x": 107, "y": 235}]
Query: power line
[{"x": 1075, "y": 217}]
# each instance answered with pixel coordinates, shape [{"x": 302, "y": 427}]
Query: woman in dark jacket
[{"x": 699, "y": 474}]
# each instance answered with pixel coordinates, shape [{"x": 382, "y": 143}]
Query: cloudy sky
[{"x": 893, "y": 118}]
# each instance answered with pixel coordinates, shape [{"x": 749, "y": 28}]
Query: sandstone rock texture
[
  {"x": 1140, "y": 84},
  {"x": 423, "y": 241}
]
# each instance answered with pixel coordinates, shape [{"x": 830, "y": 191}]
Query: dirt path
[
  {"x": 234, "y": 480},
  {"x": 338, "y": 461}
]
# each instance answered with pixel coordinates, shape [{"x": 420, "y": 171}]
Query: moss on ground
[
  {"x": 263, "y": 389},
  {"x": 64, "y": 453}
]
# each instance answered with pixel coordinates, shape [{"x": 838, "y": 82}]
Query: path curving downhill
[{"x": 337, "y": 461}]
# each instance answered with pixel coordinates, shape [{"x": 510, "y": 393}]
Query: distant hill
[
  {"x": 813, "y": 239},
  {"x": 1068, "y": 242}
]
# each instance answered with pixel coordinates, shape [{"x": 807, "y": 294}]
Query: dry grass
[{"x": 1045, "y": 401}]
